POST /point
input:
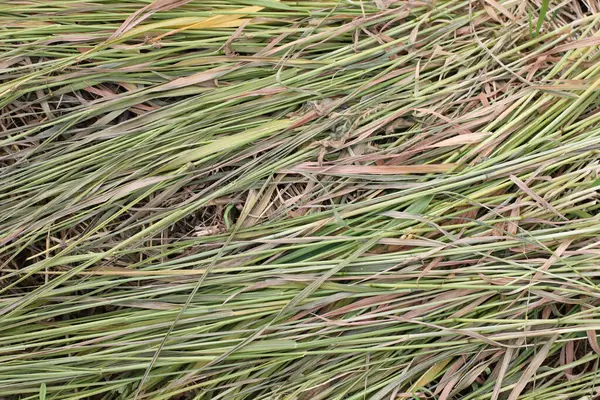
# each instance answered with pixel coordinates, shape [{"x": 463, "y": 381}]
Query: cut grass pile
[{"x": 209, "y": 199}]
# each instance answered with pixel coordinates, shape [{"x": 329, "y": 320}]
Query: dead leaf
[
  {"x": 542, "y": 202},
  {"x": 502, "y": 9},
  {"x": 138, "y": 16},
  {"x": 555, "y": 256},
  {"x": 576, "y": 44},
  {"x": 372, "y": 169},
  {"x": 503, "y": 368},
  {"x": 535, "y": 363},
  {"x": 467, "y": 138},
  {"x": 194, "y": 79},
  {"x": 593, "y": 339}
]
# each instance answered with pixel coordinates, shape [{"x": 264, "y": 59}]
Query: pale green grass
[{"x": 322, "y": 200}]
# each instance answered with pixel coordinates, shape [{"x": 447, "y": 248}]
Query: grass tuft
[{"x": 299, "y": 200}]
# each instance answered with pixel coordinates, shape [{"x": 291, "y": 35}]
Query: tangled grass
[{"x": 336, "y": 199}]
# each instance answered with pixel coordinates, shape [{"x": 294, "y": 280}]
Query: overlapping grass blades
[{"x": 299, "y": 200}]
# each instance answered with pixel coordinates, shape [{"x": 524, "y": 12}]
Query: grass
[{"x": 299, "y": 200}]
